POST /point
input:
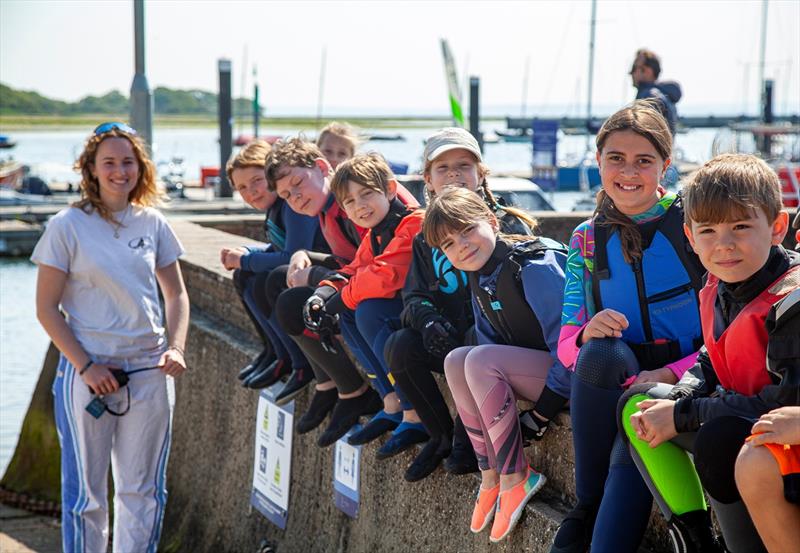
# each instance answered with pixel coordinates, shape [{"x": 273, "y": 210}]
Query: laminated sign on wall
[
  {"x": 346, "y": 472},
  {"x": 273, "y": 458}
]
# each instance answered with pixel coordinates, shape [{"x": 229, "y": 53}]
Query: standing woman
[{"x": 102, "y": 261}]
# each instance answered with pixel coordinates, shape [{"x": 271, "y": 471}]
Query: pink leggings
[{"x": 485, "y": 382}]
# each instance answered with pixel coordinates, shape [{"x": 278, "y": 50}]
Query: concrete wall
[{"x": 210, "y": 470}]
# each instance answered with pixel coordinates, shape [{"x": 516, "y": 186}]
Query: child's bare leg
[
  {"x": 761, "y": 487},
  {"x": 411, "y": 416},
  {"x": 508, "y": 481},
  {"x": 391, "y": 403},
  {"x": 489, "y": 479}
]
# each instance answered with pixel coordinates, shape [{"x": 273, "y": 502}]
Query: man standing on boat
[{"x": 644, "y": 73}]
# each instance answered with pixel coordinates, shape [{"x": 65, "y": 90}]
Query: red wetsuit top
[
  {"x": 334, "y": 224},
  {"x": 739, "y": 355}
]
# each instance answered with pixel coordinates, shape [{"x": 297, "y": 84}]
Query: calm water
[
  {"x": 23, "y": 344},
  {"x": 53, "y": 152}
]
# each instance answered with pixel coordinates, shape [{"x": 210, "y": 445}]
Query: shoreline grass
[{"x": 55, "y": 122}]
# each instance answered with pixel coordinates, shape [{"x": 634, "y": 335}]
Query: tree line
[{"x": 165, "y": 101}]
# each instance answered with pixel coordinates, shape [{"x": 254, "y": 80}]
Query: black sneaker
[
  {"x": 462, "y": 458},
  {"x": 575, "y": 533},
  {"x": 299, "y": 380},
  {"x": 428, "y": 458},
  {"x": 691, "y": 533},
  {"x": 268, "y": 376},
  {"x": 263, "y": 359},
  {"x": 321, "y": 404},
  {"x": 346, "y": 413}
]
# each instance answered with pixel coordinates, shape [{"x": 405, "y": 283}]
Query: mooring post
[
  {"x": 767, "y": 117},
  {"x": 225, "y": 126},
  {"x": 475, "y": 110},
  {"x": 141, "y": 99}
]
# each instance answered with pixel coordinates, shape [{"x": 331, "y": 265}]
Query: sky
[{"x": 383, "y": 57}]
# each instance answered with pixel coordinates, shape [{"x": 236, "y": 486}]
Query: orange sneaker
[
  {"x": 511, "y": 504},
  {"x": 485, "y": 506}
]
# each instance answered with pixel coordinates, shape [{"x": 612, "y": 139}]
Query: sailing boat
[{"x": 453, "y": 90}]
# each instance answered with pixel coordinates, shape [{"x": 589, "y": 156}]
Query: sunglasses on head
[{"x": 105, "y": 127}]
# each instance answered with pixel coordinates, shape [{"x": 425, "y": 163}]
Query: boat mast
[
  {"x": 591, "y": 74},
  {"x": 321, "y": 86},
  {"x": 763, "y": 50},
  {"x": 525, "y": 85}
]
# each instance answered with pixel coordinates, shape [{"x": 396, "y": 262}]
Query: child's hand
[
  {"x": 299, "y": 267},
  {"x": 232, "y": 257},
  {"x": 605, "y": 324},
  {"x": 780, "y": 426},
  {"x": 654, "y": 422},
  {"x": 663, "y": 374}
]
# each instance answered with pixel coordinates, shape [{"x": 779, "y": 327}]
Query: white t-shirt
[{"x": 111, "y": 294}]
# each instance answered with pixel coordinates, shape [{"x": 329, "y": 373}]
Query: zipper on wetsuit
[
  {"x": 643, "y": 308},
  {"x": 669, "y": 294},
  {"x": 504, "y": 327}
]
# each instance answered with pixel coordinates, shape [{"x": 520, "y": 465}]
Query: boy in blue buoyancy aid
[
  {"x": 285, "y": 232},
  {"x": 749, "y": 365},
  {"x": 630, "y": 315},
  {"x": 517, "y": 284},
  {"x": 437, "y": 311}
]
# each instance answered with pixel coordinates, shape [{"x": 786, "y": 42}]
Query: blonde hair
[
  {"x": 369, "y": 170},
  {"x": 144, "y": 194},
  {"x": 344, "y": 131},
  {"x": 253, "y": 154},
  {"x": 729, "y": 188},
  {"x": 453, "y": 211},
  {"x": 292, "y": 152},
  {"x": 643, "y": 118}
]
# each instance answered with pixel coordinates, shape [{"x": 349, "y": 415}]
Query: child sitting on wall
[
  {"x": 748, "y": 366},
  {"x": 365, "y": 294},
  {"x": 285, "y": 232}
]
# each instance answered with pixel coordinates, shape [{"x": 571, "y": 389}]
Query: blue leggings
[
  {"x": 366, "y": 330},
  {"x": 283, "y": 345},
  {"x": 605, "y": 476}
]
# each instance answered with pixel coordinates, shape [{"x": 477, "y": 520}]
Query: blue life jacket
[
  {"x": 657, "y": 293},
  {"x": 506, "y": 308}
]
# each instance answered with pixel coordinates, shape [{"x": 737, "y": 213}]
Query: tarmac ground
[{"x": 25, "y": 532}]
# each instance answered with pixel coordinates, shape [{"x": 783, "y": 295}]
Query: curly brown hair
[
  {"x": 643, "y": 118},
  {"x": 144, "y": 194},
  {"x": 292, "y": 152}
]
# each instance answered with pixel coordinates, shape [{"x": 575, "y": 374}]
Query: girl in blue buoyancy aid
[
  {"x": 517, "y": 284},
  {"x": 630, "y": 315},
  {"x": 437, "y": 310}
]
